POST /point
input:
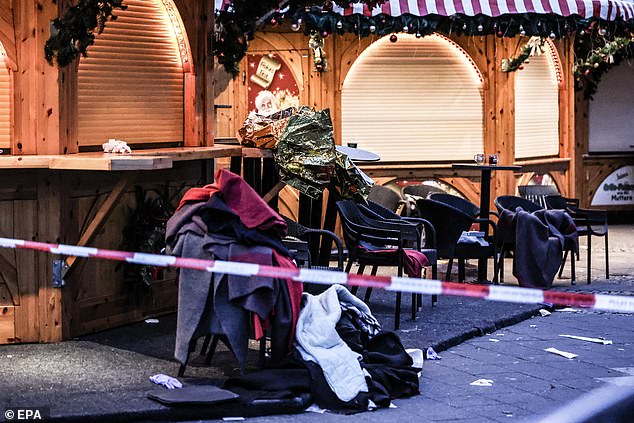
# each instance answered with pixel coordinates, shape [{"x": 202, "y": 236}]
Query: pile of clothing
[
  {"x": 341, "y": 358},
  {"x": 227, "y": 220},
  {"x": 327, "y": 349}
]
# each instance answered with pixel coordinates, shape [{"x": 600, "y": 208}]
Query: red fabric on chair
[{"x": 241, "y": 198}]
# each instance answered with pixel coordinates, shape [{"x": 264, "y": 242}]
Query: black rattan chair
[
  {"x": 373, "y": 242},
  {"x": 458, "y": 202},
  {"x": 427, "y": 238},
  {"x": 450, "y": 223}
]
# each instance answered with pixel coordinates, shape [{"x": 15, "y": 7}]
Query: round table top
[{"x": 357, "y": 154}]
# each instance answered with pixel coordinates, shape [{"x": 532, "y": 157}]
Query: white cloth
[
  {"x": 167, "y": 381},
  {"x": 116, "y": 146},
  {"x": 317, "y": 340}
]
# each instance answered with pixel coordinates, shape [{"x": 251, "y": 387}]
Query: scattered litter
[
  {"x": 544, "y": 312},
  {"x": 9, "y": 356},
  {"x": 314, "y": 408},
  {"x": 392, "y": 405},
  {"x": 494, "y": 340},
  {"x": 561, "y": 353},
  {"x": 410, "y": 330},
  {"x": 417, "y": 357},
  {"x": 533, "y": 326},
  {"x": 233, "y": 419},
  {"x": 568, "y": 309},
  {"x": 621, "y": 349},
  {"x": 430, "y": 354},
  {"x": 167, "y": 381},
  {"x": 499, "y": 334},
  {"x": 151, "y": 320},
  {"x": 585, "y": 338},
  {"x": 482, "y": 382}
]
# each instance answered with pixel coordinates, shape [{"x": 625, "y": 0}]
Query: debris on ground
[
  {"x": 482, "y": 382},
  {"x": 585, "y": 338},
  {"x": 561, "y": 353}
]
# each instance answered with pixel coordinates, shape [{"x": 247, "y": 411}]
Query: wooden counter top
[{"x": 159, "y": 158}]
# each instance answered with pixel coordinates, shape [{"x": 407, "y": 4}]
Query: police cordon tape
[{"x": 615, "y": 303}]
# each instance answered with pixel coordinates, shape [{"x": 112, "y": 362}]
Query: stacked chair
[{"x": 376, "y": 241}]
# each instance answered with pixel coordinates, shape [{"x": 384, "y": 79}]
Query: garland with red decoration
[{"x": 588, "y": 71}]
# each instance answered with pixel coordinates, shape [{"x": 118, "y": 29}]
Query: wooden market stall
[
  {"x": 424, "y": 99},
  {"x": 147, "y": 80}
]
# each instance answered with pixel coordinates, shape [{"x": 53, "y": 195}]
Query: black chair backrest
[
  {"x": 458, "y": 202},
  {"x": 448, "y": 221},
  {"x": 511, "y": 202},
  {"x": 381, "y": 210},
  {"x": 537, "y": 193},
  {"x": 421, "y": 190},
  {"x": 385, "y": 196},
  {"x": 556, "y": 202},
  {"x": 563, "y": 203}
]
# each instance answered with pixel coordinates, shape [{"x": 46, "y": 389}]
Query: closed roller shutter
[
  {"x": 537, "y": 107},
  {"x": 131, "y": 83},
  {"x": 5, "y": 105},
  {"x": 419, "y": 99}
]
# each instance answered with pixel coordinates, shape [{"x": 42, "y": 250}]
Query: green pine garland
[
  {"x": 74, "y": 31},
  {"x": 588, "y": 72},
  {"x": 534, "y": 46}
]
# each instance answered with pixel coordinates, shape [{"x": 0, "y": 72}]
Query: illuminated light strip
[
  {"x": 554, "y": 62},
  {"x": 613, "y": 303},
  {"x": 180, "y": 34},
  {"x": 466, "y": 56}
]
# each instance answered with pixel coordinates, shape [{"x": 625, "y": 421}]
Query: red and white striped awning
[{"x": 605, "y": 9}]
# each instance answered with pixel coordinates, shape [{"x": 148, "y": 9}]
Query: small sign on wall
[{"x": 617, "y": 189}]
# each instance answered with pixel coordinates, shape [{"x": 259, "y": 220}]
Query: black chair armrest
[
  {"x": 333, "y": 237},
  {"x": 430, "y": 231}
]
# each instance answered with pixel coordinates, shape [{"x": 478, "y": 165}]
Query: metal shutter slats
[
  {"x": 414, "y": 100},
  {"x": 131, "y": 83},
  {"x": 537, "y": 108}
]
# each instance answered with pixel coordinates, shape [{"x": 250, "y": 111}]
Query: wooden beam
[
  {"x": 102, "y": 214},
  {"x": 10, "y": 276}
]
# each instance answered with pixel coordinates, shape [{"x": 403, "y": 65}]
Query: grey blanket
[{"x": 539, "y": 240}]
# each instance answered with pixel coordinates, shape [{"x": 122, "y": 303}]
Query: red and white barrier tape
[{"x": 616, "y": 303}]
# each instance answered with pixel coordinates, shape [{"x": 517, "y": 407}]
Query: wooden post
[
  {"x": 38, "y": 85},
  {"x": 52, "y": 220},
  {"x": 209, "y": 90}
]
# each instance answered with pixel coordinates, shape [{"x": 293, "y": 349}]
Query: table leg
[
  {"x": 310, "y": 215},
  {"x": 329, "y": 224},
  {"x": 485, "y": 199}
]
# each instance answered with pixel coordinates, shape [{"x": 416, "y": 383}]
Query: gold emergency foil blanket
[
  {"x": 264, "y": 131},
  {"x": 309, "y": 162}
]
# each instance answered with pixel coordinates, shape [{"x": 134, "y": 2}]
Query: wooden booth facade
[
  {"x": 424, "y": 103},
  {"x": 420, "y": 103},
  {"x": 147, "y": 80}
]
